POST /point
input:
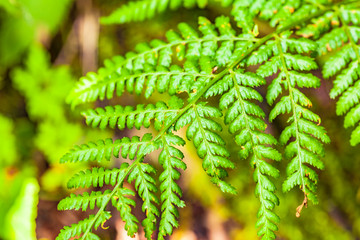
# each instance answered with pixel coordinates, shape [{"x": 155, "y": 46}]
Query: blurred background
[{"x": 45, "y": 46}]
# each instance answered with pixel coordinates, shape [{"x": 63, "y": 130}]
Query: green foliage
[
  {"x": 83, "y": 226},
  {"x": 84, "y": 201},
  {"x": 245, "y": 120},
  {"x": 20, "y": 220},
  {"x": 129, "y": 117},
  {"x": 145, "y": 185},
  {"x": 123, "y": 205},
  {"x": 193, "y": 68},
  {"x": 209, "y": 144},
  {"x": 150, "y": 68},
  {"x": 135, "y": 11},
  {"x": 283, "y": 54},
  {"x": 96, "y": 177},
  {"x": 30, "y": 17},
  {"x": 170, "y": 158},
  {"x": 8, "y": 147},
  {"x": 343, "y": 38},
  {"x": 45, "y": 89},
  {"x": 124, "y": 147}
]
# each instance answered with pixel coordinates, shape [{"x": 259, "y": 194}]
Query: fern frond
[
  {"x": 344, "y": 64},
  {"x": 306, "y": 146},
  {"x": 349, "y": 103},
  {"x": 209, "y": 144},
  {"x": 123, "y": 205},
  {"x": 96, "y": 177},
  {"x": 129, "y": 117},
  {"x": 104, "y": 149},
  {"x": 210, "y": 61},
  {"x": 315, "y": 8},
  {"x": 277, "y": 13},
  {"x": 244, "y": 15},
  {"x": 245, "y": 120},
  {"x": 150, "y": 67},
  {"x": 162, "y": 79},
  {"x": 170, "y": 158},
  {"x": 137, "y": 11},
  {"x": 145, "y": 185},
  {"x": 79, "y": 228},
  {"x": 84, "y": 201}
]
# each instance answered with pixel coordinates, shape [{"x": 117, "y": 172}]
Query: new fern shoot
[{"x": 213, "y": 75}]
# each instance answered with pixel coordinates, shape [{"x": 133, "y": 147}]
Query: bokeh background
[{"x": 45, "y": 46}]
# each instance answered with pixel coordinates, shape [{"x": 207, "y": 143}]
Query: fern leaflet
[
  {"x": 344, "y": 64},
  {"x": 129, "y": 117},
  {"x": 306, "y": 146},
  {"x": 245, "y": 121},
  {"x": 81, "y": 227},
  {"x": 96, "y": 177},
  {"x": 105, "y": 149},
  {"x": 170, "y": 158},
  {"x": 123, "y": 205},
  {"x": 84, "y": 201},
  {"x": 146, "y": 188},
  {"x": 140, "y": 10}
]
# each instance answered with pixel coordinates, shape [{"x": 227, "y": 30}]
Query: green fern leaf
[
  {"x": 355, "y": 136},
  {"x": 243, "y": 15},
  {"x": 245, "y": 119},
  {"x": 265, "y": 51},
  {"x": 129, "y": 117},
  {"x": 146, "y": 188},
  {"x": 96, "y": 177},
  {"x": 146, "y": 9},
  {"x": 84, "y": 201},
  {"x": 345, "y": 79},
  {"x": 105, "y": 149},
  {"x": 349, "y": 99},
  {"x": 77, "y": 229},
  {"x": 332, "y": 40},
  {"x": 209, "y": 145},
  {"x": 277, "y": 13},
  {"x": 312, "y": 10},
  {"x": 170, "y": 158},
  {"x": 318, "y": 25},
  {"x": 123, "y": 205},
  {"x": 308, "y": 136},
  {"x": 344, "y": 64}
]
